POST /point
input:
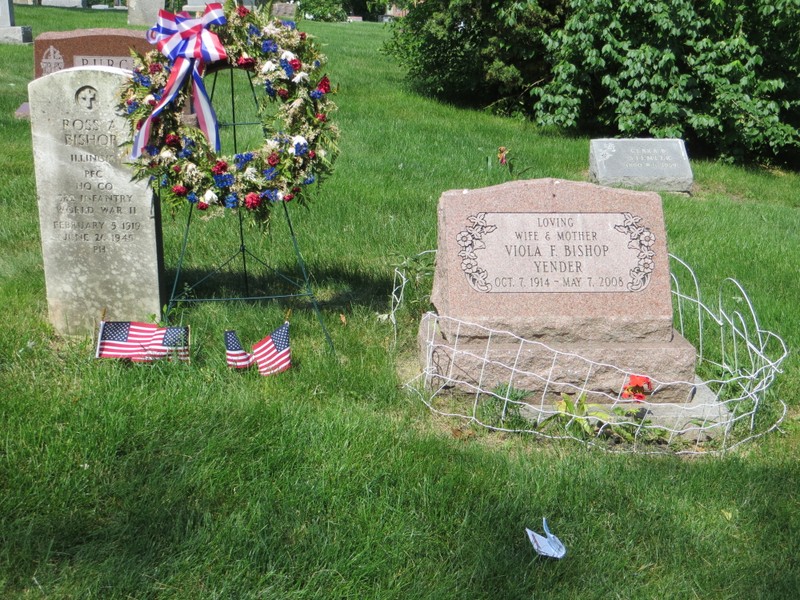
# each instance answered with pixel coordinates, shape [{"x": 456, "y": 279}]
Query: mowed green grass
[{"x": 329, "y": 481}]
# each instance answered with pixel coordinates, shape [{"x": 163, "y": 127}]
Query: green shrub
[
  {"x": 475, "y": 52},
  {"x": 723, "y": 75},
  {"x": 323, "y": 10}
]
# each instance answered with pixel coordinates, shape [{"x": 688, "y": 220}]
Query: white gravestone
[
  {"x": 9, "y": 34},
  {"x": 100, "y": 231},
  {"x": 144, "y": 12}
]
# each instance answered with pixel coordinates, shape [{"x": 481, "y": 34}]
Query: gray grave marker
[
  {"x": 579, "y": 267},
  {"x": 144, "y": 12},
  {"x": 649, "y": 164},
  {"x": 100, "y": 232},
  {"x": 9, "y": 33}
]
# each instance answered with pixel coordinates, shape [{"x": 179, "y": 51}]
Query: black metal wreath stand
[{"x": 302, "y": 287}]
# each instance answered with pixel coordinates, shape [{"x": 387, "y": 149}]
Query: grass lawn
[{"x": 329, "y": 480}]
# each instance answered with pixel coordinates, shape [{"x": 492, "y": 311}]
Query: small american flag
[
  {"x": 142, "y": 342},
  {"x": 273, "y": 354},
  {"x": 235, "y": 354}
]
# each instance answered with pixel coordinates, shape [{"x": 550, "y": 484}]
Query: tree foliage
[
  {"x": 723, "y": 75},
  {"x": 475, "y": 51}
]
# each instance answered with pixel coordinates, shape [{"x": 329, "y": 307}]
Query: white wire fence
[{"x": 727, "y": 404}]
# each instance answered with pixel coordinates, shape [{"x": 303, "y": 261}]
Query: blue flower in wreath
[
  {"x": 309, "y": 180},
  {"x": 142, "y": 80},
  {"x": 192, "y": 197},
  {"x": 300, "y": 148},
  {"x": 240, "y": 160},
  {"x": 253, "y": 31},
  {"x": 270, "y": 173},
  {"x": 151, "y": 150},
  {"x": 287, "y": 68},
  {"x": 164, "y": 181},
  {"x": 289, "y": 24},
  {"x": 132, "y": 107},
  {"x": 316, "y": 94},
  {"x": 224, "y": 180},
  {"x": 271, "y": 195},
  {"x": 231, "y": 200},
  {"x": 269, "y": 46},
  {"x": 269, "y": 89}
]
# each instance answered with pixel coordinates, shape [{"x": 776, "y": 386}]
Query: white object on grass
[{"x": 546, "y": 546}]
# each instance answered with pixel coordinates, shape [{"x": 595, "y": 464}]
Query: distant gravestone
[
  {"x": 284, "y": 10},
  {"x": 100, "y": 232},
  {"x": 56, "y": 50},
  {"x": 66, "y": 3},
  {"x": 9, "y": 33},
  {"x": 578, "y": 267},
  {"x": 649, "y": 164},
  {"x": 144, "y": 12}
]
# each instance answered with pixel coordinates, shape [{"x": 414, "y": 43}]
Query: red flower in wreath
[
  {"x": 179, "y": 190},
  {"x": 273, "y": 159},
  {"x": 245, "y": 62},
  {"x": 242, "y": 11},
  {"x": 252, "y": 201},
  {"x": 219, "y": 168},
  {"x": 324, "y": 85}
]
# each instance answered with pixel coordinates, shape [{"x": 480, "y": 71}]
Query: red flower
[
  {"x": 320, "y": 117},
  {"x": 283, "y": 93},
  {"x": 179, "y": 190},
  {"x": 172, "y": 140},
  {"x": 139, "y": 124},
  {"x": 640, "y": 381},
  {"x": 176, "y": 168},
  {"x": 219, "y": 168},
  {"x": 245, "y": 62},
  {"x": 324, "y": 85},
  {"x": 288, "y": 197},
  {"x": 252, "y": 201},
  {"x": 302, "y": 35},
  {"x": 296, "y": 64},
  {"x": 242, "y": 11},
  {"x": 202, "y": 205},
  {"x": 312, "y": 155},
  {"x": 155, "y": 68},
  {"x": 273, "y": 159}
]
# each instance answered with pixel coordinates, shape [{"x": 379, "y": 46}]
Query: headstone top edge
[
  {"x": 75, "y": 34},
  {"x": 551, "y": 183}
]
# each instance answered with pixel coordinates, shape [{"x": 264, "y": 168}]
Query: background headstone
[
  {"x": 648, "y": 164},
  {"x": 66, "y": 3},
  {"x": 144, "y": 12},
  {"x": 9, "y": 33},
  {"x": 56, "y": 50},
  {"x": 579, "y": 267},
  {"x": 101, "y": 237}
]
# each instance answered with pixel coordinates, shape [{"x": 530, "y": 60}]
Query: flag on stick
[
  {"x": 141, "y": 342},
  {"x": 235, "y": 354},
  {"x": 273, "y": 354}
]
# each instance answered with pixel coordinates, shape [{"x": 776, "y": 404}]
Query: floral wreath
[{"x": 178, "y": 153}]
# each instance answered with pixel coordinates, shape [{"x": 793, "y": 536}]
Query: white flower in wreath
[
  {"x": 287, "y": 55},
  {"x": 210, "y": 197},
  {"x": 270, "y": 30},
  {"x": 251, "y": 174},
  {"x": 166, "y": 154},
  {"x": 268, "y": 67},
  {"x": 300, "y": 77}
]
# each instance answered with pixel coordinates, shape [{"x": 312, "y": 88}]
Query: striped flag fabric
[
  {"x": 142, "y": 342},
  {"x": 234, "y": 353},
  {"x": 272, "y": 354}
]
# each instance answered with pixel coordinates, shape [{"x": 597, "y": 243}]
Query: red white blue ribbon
[{"x": 189, "y": 45}]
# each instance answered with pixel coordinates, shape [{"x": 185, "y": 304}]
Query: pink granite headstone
[{"x": 579, "y": 267}]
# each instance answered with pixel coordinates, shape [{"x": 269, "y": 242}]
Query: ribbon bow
[{"x": 189, "y": 45}]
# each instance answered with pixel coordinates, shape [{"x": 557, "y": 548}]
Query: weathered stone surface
[
  {"x": 648, "y": 164},
  {"x": 9, "y": 33},
  {"x": 56, "y": 50},
  {"x": 144, "y": 12},
  {"x": 559, "y": 368},
  {"x": 100, "y": 232}
]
